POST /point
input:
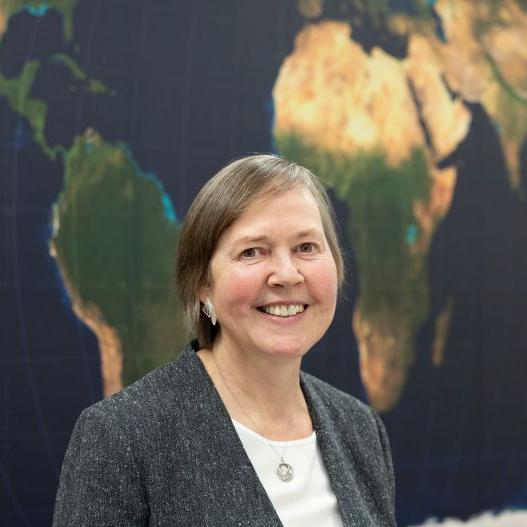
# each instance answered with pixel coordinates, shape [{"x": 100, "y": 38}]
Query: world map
[{"x": 413, "y": 114}]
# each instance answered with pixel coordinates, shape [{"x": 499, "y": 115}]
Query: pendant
[{"x": 285, "y": 471}]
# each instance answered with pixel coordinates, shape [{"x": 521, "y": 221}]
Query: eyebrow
[{"x": 264, "y": 238}]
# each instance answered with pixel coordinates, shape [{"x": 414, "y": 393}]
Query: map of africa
[{"x": 413, "y": 114}]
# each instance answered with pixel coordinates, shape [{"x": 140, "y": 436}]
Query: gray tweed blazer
[{"x": 164, "y": 452}]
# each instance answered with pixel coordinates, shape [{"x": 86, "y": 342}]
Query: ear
[
  {"x": 205, "y": 290},
  {"x": 203, "y": 293}
]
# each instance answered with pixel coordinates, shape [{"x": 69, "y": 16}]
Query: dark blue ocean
[{"x": 191, "y": 86}]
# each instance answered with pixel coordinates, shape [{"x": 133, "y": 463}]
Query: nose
[{"x": 284, "y": 271}]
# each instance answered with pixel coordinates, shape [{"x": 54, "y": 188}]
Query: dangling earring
[{"x": 208, "y": 309}]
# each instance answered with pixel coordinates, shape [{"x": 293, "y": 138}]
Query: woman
[{"x": 232, "y": 433}]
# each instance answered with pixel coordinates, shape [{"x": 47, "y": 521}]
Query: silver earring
[{"x": 208, "y": 309}]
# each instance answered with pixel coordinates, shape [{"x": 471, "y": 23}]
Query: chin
[{"x": 288, "y": 350}]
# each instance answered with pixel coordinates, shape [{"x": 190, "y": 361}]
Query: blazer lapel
[
  {"x": 221, "y": 446},
  {"x": 339, "y": 464}
]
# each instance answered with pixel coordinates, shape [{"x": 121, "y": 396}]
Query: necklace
[{"x": 284, "y": 470}]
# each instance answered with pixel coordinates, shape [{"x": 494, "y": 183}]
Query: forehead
[{"x": 287, "y": 212}]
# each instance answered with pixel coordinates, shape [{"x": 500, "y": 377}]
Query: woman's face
[{"x": 273, "y": 277}]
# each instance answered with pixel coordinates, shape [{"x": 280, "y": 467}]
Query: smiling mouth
[{"x": 283, "y": 311}]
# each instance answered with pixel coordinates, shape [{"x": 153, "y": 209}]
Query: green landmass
[
  {"x": 16, "y": 91},
  {"x": 392, "y": 277},
  {"x": 511, "y": 116},
  {"x": 116, "y": 247},
  {"x": 71, "y": 64},
  {"x": 93, "y": 85},
  {"x": 65, "y": 7},
  {"x": 97, "y": 86}
]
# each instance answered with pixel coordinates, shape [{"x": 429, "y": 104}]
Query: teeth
[{"x": 284, "y": 311}]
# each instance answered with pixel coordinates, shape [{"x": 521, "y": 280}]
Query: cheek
[
  {"x": 239, "y": 290},
  {"x": 324, "y": 281}
]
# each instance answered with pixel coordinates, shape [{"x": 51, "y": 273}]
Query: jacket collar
[
  {"x": 250, "y": 504},
  {"x": 236, "y": 463},
  {"x": 338, "y": 460}
]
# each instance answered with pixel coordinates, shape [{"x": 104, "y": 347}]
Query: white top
[{"x": 305, "y": 501}]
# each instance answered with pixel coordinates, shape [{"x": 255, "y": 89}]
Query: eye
[
  {"x": 306, "y": 247},
  {"x": 251, "y": 252}
]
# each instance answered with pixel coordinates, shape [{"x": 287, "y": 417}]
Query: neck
[{"x": 260, "y": 391}]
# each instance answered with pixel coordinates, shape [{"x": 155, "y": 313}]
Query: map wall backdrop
[{"x": 414, "y": 113}]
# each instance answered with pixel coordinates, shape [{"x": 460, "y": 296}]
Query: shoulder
[
  {"x": 166, "y": 390},
  {"x": 113, "y": 444}
]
